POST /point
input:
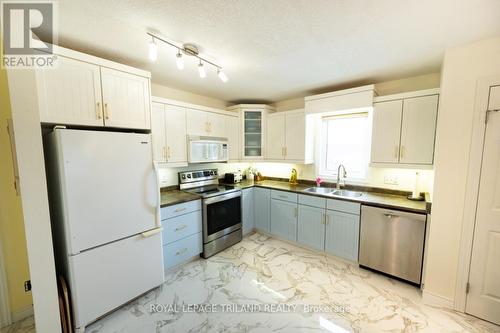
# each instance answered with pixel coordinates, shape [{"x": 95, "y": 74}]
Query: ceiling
[{"x": 279, "y": 49}]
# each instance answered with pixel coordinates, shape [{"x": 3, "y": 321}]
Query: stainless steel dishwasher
[{"x": 392, "y": 242}]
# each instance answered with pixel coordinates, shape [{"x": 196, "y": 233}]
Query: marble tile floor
[{"x": 266, "y": 285}]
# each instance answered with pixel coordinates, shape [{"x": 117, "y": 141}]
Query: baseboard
[
  {"x": 22, "y": 313},
  {"x": 433, "y": 299}
]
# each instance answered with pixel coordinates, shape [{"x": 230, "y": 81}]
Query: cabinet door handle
[
  {"x": 98, "y": 110},
  {"x": 179, "y": 228},
  {"x": 286, "y": 151},
  {"x": 168, "y": 151},
  {"x": 178, "y": 210},
  {"x": 296, "y": 211},
  {"x": 107, "y": 113},
  {"x": 402, "y": 152},
  {"x": 178, "y": 253},
  {"x": 327, "y": 219}
]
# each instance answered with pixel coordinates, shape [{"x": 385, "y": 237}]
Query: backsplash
[{"x": 377, "y": 177}]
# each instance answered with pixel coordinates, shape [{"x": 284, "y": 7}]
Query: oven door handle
[{"x": 222, "y": 197}]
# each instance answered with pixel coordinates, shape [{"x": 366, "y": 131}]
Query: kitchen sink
[
  {"x": 346, "y": 193},
  {"x": 319, "y": 190}
]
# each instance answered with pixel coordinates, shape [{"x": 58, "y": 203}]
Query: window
[{"x": 345, "y": 140}]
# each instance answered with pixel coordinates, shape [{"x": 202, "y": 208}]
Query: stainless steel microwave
[{"x": 206, "y": 149}]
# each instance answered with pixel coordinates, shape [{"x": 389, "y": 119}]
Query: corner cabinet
[
  {"x": 79, "y": 92},
  {"x": 404, "y": 128},
  {"x": 253, "y": 126}
]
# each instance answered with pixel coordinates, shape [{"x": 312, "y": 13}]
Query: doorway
[{"x": 483, "y": 287}]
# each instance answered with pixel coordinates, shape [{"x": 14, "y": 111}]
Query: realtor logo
[{"x": 24, "y": 26}]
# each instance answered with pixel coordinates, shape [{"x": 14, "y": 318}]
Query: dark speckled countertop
[
  {"x": 173, "y": 196},
  {"x": 369, "y": 198}
]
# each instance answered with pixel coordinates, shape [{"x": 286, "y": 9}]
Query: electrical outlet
[
  {"x": 27, "y": 285},
  {"x": 391, "y": 180}
]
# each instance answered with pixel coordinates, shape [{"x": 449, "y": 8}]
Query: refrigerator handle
[{"x": 158, "y": 193}]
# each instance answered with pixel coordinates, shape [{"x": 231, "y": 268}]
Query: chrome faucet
[{"x": 344, "y": 175}]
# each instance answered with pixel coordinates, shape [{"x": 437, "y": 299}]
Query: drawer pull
[
  {"x": 151, "y": 232},
  {"x": 181, "y": 227},
  {"x": 390, "y": 216},
  {"x": 283, "y": 196},
  {"x": 178, "y": 253},
  {"x": 178, "y": 210}
]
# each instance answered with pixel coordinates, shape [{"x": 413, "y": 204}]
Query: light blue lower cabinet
[
  {"x": 182, "y": 250},
  {"x": 262, "y": 208},
  {"x": 342, "y": 234},
  {"x": 247, "y": 210},
  {"x": 284, "y": 219},
  {"x": 311, "y": 227}
]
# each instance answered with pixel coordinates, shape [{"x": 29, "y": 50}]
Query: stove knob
[
  {"x": 215, "y": 172},
  {"x": 183, "y": 176},
  {"x": 189, "y": 175},
  {"x": 211, "y": 172}
]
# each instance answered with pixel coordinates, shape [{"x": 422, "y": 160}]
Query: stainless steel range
[{"x": 221, "y": 209}]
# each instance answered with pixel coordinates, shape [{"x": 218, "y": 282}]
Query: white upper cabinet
[
  {"x": 289, "y": 137},
  {"x": 275, "y": 145},
  {"x": 252, "y": 129},
  {"x": 89, "y": 91},
  {"x": 296, "y": 138},
  {"x": 418, "y": 130},
  {"x": 70, "y": 93},
  {"x": 233, "y": 137},
  {"x": 197, "y": 122},
  {"x": 217, "y": 125},
  {"x": 168, "y": 130},
  {"x": 176, "y": 138},
  {"x": 386, "y": 131},
  {"x": 126, "y": 99},
  {"x": 404, "y": 129},
  {"x": 158, "y": 132},
  {"x": 205, "y": 123}
]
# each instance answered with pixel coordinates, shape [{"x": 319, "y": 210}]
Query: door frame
[
  {"x": 5, "y": 318},
  {"x": 472, "y": 188}
]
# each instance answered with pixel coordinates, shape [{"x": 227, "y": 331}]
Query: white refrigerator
[{"x": 104, "y": 201}]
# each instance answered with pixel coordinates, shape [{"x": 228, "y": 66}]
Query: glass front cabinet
[{"x": 253, "y": 125}]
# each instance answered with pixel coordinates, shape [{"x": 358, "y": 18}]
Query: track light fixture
[{"x": 188, "y": 50}]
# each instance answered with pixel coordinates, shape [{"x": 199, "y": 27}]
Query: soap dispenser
[{"x": 293, "y": 177}]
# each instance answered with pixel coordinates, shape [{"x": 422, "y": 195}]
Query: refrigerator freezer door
[
  {"x": 108, "y": 186},
  {"x": 106, "y": 277}
]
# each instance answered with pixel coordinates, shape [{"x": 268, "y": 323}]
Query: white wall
[
  {"x": 427, "y": 81},
  {"x": 462, "y": 68},
  {"x": 186, "y": 96}
]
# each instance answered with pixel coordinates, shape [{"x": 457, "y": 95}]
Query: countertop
[
  {"x": 174, "y": 197},
  {"x": 369, "y": 198}
]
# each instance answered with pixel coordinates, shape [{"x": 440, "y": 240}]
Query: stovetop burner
[
  {"x": 211, "y": 190},
  {"x": 204, "y": 183}
]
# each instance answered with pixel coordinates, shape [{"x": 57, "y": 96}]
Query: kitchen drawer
[
  {"x": 180, "y": 251},
  {"x": 180, "y": 209},
  {"x": 343, "y": 206},
  {"x": 181, "y": 226},
  {"x": 310, "y": 200},
  {"x": 285, "y": 196}
]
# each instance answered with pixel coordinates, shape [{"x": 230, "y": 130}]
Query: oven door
[{"x": 221, "y": 215}]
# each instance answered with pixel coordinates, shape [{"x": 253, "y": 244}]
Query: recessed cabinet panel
[
  {"x": 418, "y": 130},
  {"x": 197, "y": 122},
  {"x": 386, "y": 131},
  {"x": 175, "y": 124},
  {"x": 248, "y": 210},
  {"x": 284, "y": 219},
  {"x": 70, "y": 93},
  {"x": 276, "y": 136},
  {"x": 126, "y": 99},
  {"x": 158, "y": 132},
  {"x": 295, "y": 136},
  {"x": 262, "y": 205},
  {"x": 342, "y": 235},
  {"x": 311, "y": 227},
  {"x": 233, "y": 137}
]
